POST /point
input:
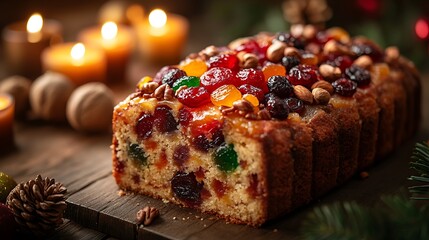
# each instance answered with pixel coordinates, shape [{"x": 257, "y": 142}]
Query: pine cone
[{"x": 38, "y": 205}]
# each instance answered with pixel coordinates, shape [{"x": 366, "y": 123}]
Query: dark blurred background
[{"x": 396, "y": 22}]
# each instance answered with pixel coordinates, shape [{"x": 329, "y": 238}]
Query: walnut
[
  {"x": 19, "y": 88},
  {"x": 90, "y": 108}
]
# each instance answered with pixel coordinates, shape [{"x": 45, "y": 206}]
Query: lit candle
[
  {"x": 117, "y": 44},
  {"x": 162, "y": 37},
  {"x": 7, "y": 108},
  {"x": 25, "y": 41},
  {"x": 80, "y": 63}
]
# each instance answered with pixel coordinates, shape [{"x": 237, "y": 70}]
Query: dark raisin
[
  {"x": 161, "y": 73},
  {"x": 291, "y": 40},
  {"x": 304, "y": 75},
  {"x": 295, "y": 105},
  {"x": 359, "y": 75},
  {"x": 181, "y": 155},
  {"x": 276, "y": 106},
  {"x": 217, "y": 137},
  {"x": 144, "y": 126},
  {"x": 136, "y": 153},
  {"x": 164, "y": 119},
  {"x": 370, "y": 49},
  {"x": 289, "y": 62},
  {"x": 201, "y": 143},
  {"x": 345, "y": 87},
  {"x": 186, "y": 188},
  {"x": 280, "y": 86},
  {"x": 172, "y": 75}
]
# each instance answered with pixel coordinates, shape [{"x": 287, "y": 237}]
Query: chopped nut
[
  {"x": 168, "y": 93},
  {"x": 146, "y": 215},
  {"x": 251, "y": 116},
  {"x": 297, "y": 30},
  {"x": 329, "y": 72},
  {"x": 247, "y": 60},
  {"x": 332, "y": 46},
  {"x": 149, "y": 87},
  {"x": 321, "y": 96},
  {"x": 363, "y": 61},
  {"x": 309, "y": 31},
  {"x": 227, "y": 110},
  {"x": 210, "y": 51},
  {"x": 275, "y": 51},
  {"x": 303, "y": 93},
  {"x": 324, "y": 85},
  {"x": 164, "y": 92},
  {"x": 392, "y": 54},
  {"x": 291, "y": 51},
  {"x": 264, "y": 114},
  {"x": 180, "y": 89},
  {"x": 243, "y": 105}
]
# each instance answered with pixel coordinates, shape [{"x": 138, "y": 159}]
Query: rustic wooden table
[{"x": 95, "y": 211}]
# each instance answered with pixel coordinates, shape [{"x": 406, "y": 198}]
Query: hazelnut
[
  {"x": 19, "y": 88},
  {"x": 275, "y": 51},
  {"x": 90, "y": 108},
  {"x": 329, "y": 72},
  {"x": 321, "y": 96},
  {"x": 49, "y": 94},
  {"x": 363, "y": 61}
]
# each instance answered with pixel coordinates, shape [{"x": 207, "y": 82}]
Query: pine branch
[{"x": 420, "y": 163}]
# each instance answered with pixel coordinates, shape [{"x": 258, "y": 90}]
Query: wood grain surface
[{"x": 83, "y": 164}]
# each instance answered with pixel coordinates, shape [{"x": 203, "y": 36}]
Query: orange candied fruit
[
  {"x": 143, "y": 81},
  {"x": 273, "y": 70},
  {"x": 252, "y": 99},
  {"x": 309, "y": 59},
  {"x": 225, "y": 95},
  {"x": 194, "y": 67},
  {"x": 380, "y": 71},
  {"x": 338, "y": 34}
]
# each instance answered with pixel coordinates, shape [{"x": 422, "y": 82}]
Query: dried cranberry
[
  {"x": 342, "y": 62},
  {"x": 249, "y": 89},
  {"x": 252, "y": 76},
  {"x": 280, "y": 86},
  {"x": 289, "y": 62},
  {"x": 217, "y": 137},
  {"x": 304, "y": 75},
  {"x": 144, "y": 126},
  {"x": 370, "y": 49},
  {"x": 295, "y": 105},
  {"x": 172, "y": 75},
  {"x": 276, "y": 106},
  {"x": 359, "y": 75},
  {"x": 160, "y": 74},
  {"x": 250, "y": 47},
  {"x": 344, "y": 87},
  {"x": 216, "y": 77},
  {"x": 186, "y": 188},
  {"x": 291, "y": 40},
  {"x": 194, "y": 97},
  {"x": 229, "y": 61},
  {"x": 181, "y": 155},
  {"x": 201, "y": 143},
  {"x": 164, "y": 119},
  {"x": 185, "y": 116}
]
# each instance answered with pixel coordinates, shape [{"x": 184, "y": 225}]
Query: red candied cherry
[
  {"x": 186, "y": 188},
  {"x": 185, "y": 116},
  {"x": 252, "y": 76},
  {"x": 304, "y": 75},
  {"x": 164, "y": 119},
  {"x": 250, "y": 47},
  {"x": 295, "y": 105},
  {"x": 194, "y": 96},
  {"x": 280, "y": 86},
  {"x": 345, "y": 87},
  {"x": 160, "y": 74},
  {"x": 359, "y": 75},
  {"x": 173, "y": 75},
  {"x": 144, "y": 126},
  {"x": 216, "y": 77},
  {"x": 229, "y": 61},
  {"x": 249, "y": 89}
]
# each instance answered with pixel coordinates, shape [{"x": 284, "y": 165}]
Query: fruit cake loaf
[{"x": 255, "y": 129}]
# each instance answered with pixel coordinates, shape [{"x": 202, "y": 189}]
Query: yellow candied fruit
[
  {"x": 143, "y": 81},
  {"x": 380, "y": 71},
  {"x": 338, "y": 34},
  {"x": 309, "y": 59},
  {"x": 273, "y": 70},
  {"x": 225, "y": 95},
  {"x": 252, "y": 99},
  {"x": 194, "y": 67}
]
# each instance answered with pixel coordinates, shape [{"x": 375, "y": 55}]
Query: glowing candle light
[
  {"x": 109, "y": 30},
  {"x": 34, "y": 27},
  {"x": 7, "y": 109}
]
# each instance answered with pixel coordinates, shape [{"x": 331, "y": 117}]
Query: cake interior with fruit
[{"x": 268, "y": 123}]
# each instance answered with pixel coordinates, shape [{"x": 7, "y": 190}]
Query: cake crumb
[
  {"x": 202, "y": 219},
  {"x": 121, "y": 193},
  {"x": 196, "y": 216},
  {"x": 174, "y": 218},
  {"x": 165, "y": 201},
  {"x": 205, "y": 225},
  {"x": 275, "y": 230},
  {"x": 183, "y": 219},
  {"x": 364, "y": 175}
]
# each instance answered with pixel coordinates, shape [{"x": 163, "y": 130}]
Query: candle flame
[
  {"x": 5, "y": 101},
  {"x": 109, "y": 30},
  {"x": 35, "y": 23},
  {"x": 78, "y": 51},
  {"x": 157, "y": 18}
]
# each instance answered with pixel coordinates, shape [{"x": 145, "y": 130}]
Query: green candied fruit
[
  {"x": 226, "y": 158},
  {"x": 137, "y": 153},
  {"x": 189, "y": 81}
]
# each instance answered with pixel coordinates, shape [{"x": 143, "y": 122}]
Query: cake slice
[{"x": 255, "y": 129}]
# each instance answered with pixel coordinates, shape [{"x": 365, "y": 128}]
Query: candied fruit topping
[
  {"x": 359, "y": 75},
  {"x": 186, "y": 188},
  {"x": 254, "y": 77},
  {"x": 172, "y": 75},
  {"x": 280, "y": 86},
  {"x": 369, "y": 49},
  {"x": 194, "y": 97},
  {"x": 216, "y": 77},
  {"x": 136, "y": 153},
  {"x": 342, "y": 62},
  {"x": 161, "y": 73},
  {"x": 226, "y": 158},
  {"x": 276, "y": 106},
  {"x": 309, "y": 59},
  {"x": 144, "y": 126},
  {"x": 304, "y": 75},
  {"x": 249, "y": 89},
  {"x": 143, "y": 81},
  {"x": 273, "y": 70},
  {"x": 229, "y": 61},
  {"x": 164, "y": 119},
  {"x": 191, "y": 81},
  {"x": 295, "y": 105},
  {"x": 194, "y": 67},
  {"x": 345, "y": 87},
  {"x": 290, "y": 61},
  {"x": 225, "y": 95},
  {"x": 252, "y": 99},
  {"x": 338, "y": 34},
  {"x": 185, "y": 116}
]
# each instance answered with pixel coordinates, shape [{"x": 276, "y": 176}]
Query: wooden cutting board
[{"x": 83, "y": 164}]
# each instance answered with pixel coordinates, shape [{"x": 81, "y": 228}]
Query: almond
[
  {"x": 275, "y": 51},
  {"x": 323, "y": 85},
  {"x": 303, "y": 93},
  {"x": 321, "y": 96},
  {"x": 330, "y": 72},
  {"x": 363, "y": 62},
  {"x": 291, "y": 51}
]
